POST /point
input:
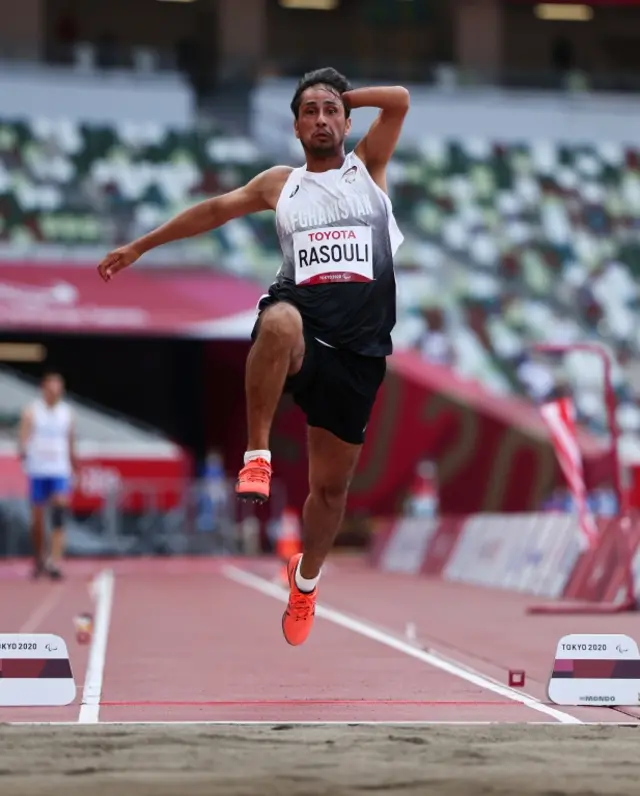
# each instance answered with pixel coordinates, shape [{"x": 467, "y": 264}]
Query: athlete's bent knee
[
  {"x": 282, "y": 323},
  {"x": 333, "y": 496},
  {"x": 58, "y": 516}
]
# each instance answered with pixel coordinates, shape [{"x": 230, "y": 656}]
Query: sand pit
[{"x": 201, "y": 760}]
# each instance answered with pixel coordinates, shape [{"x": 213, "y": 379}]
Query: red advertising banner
[
  {"x": 493, "y": 453},
  {"x": 147, "y": 301}
]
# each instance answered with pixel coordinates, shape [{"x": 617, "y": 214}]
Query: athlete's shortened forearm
[{"x": 388, "y": 98}]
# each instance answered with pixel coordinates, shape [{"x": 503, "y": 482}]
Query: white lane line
[
  {"x": 356, "y": 626},
  {"x": 102, "y": 588},
  {"x": 278, "y": 724},
  {"x": 354, "y": 723}
]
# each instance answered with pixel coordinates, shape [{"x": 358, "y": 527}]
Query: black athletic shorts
[{"x": 335, "y": 388}]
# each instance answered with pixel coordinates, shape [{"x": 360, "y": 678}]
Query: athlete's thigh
[
  {"x": 60, "y": 491},
  {"x": 332, "y": 461},
  {"x": 344, "y": 393},
  {"x": 285, "y": 320},
  {"x": 39, "y": 490}
]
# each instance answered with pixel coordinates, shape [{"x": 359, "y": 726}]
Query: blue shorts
[{"x": 41, "y": 490}]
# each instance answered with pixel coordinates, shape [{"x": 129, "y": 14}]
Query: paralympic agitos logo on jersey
[{"x": 350, "y": 174}]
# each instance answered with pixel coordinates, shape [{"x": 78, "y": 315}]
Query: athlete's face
[
  {"x": 52, "y": 389},
  {"x": 321, "y": 125}
]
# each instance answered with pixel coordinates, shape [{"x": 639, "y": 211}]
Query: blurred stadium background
[{"x": 516, "y": 183}]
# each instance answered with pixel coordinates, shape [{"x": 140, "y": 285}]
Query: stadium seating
[
  {"x": 91, "y": 187},
  {"x": 506, "y": 245},
  {"x": 542, "y": 244}
]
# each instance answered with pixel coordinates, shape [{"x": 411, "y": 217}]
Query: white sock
[
  {"x": 250, "y": 455},
  {"x": 305, "y": 584}
]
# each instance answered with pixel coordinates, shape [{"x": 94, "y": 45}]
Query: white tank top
[
  {"x": 338, "y": 237},
  {"x": 48, "y": 453},
  {"x": 341, "y": 208}
]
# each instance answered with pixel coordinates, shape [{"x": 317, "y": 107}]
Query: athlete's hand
[{"x": 116, "y": 261}]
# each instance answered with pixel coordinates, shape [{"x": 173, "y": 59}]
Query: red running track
[{"x": 201, "y": 641}]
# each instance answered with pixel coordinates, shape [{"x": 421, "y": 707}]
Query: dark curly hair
[{"x": 328, "y": 76}]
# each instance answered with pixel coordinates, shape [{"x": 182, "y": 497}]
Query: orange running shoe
[
  {"x": 254, "y": 481},
  {"x": 297, "y": 620}
]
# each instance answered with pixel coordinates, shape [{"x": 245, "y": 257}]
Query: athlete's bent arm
[
  {"x": 24, "y": 433},
  {"x": 377, "y": 146},
  {"x": 260, "y": 193},
  {"x": 73, "y": 451}
]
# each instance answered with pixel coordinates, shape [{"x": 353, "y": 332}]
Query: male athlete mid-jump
[{"x": 323, "y": 331}]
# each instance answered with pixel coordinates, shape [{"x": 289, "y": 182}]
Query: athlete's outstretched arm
[
  {"x": 377, "y": 146},
  {"x": 260, "y": 193}
]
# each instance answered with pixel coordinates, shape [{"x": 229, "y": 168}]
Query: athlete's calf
[
  {"x": 332, "y": 463},
  {"x": 331, "y": 466}
]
